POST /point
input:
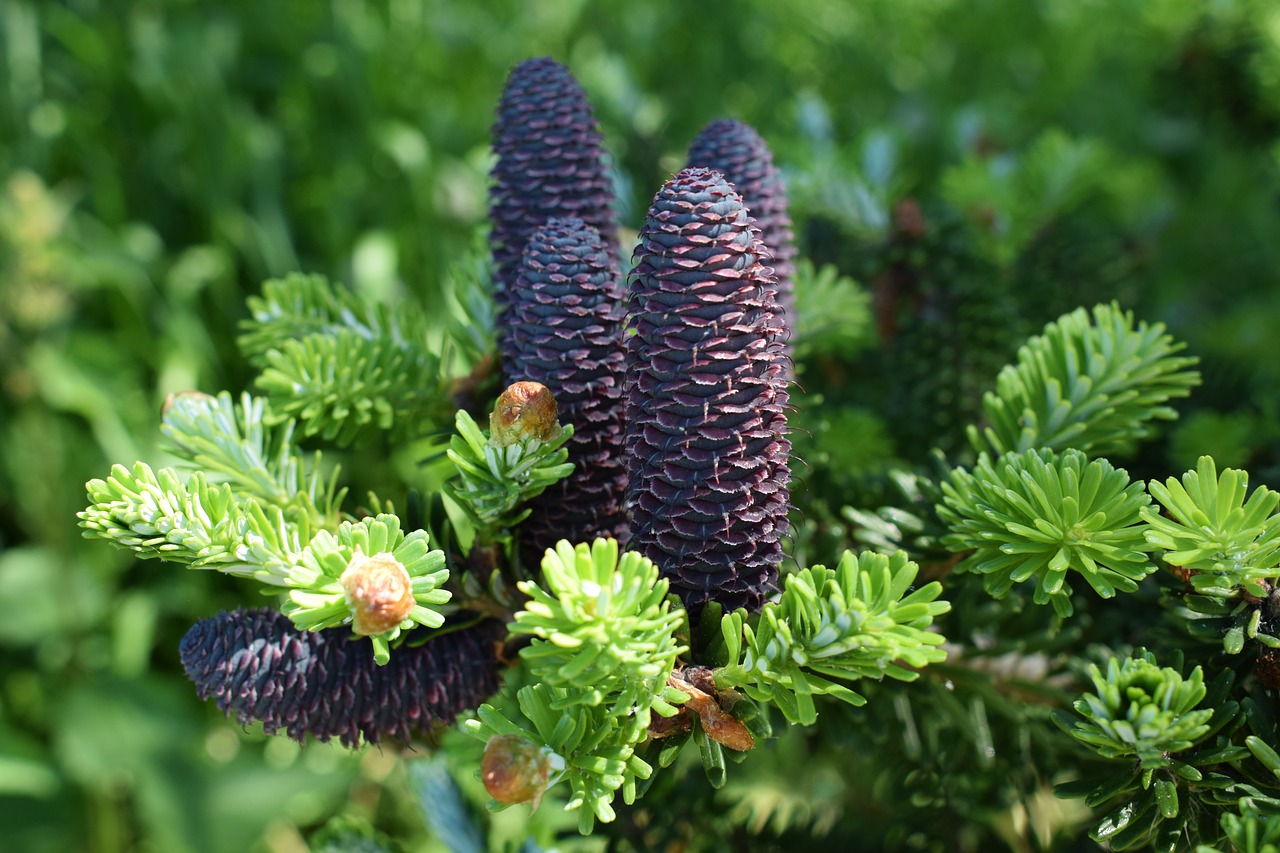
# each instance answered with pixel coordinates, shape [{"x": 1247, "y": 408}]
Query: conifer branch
[
  {"x": 212, "y": 435},
  {"x": 1170, "y": 737},
  {"x": 603, "y": 651},
  {"x": 602, "y": 625},
  {"x": 1224, "y": 541},
  {"x": 194, "y": 523},
  {"x": 830, "y": 627},
  {"x": 1037, "y": 514},
  {"x": 1089, "y": 383},
  {"x": 495, "y": 476},
  {"x": 340, "y": 365}
]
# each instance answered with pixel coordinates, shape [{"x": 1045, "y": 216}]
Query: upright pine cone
[
  {"x": 550, "y": 164},
  {"x": 564, "y": 326},
  {"x": 257, "y": 666},
  {"x": 706, "y": 397},
  {"x": 735, "y": 150}
]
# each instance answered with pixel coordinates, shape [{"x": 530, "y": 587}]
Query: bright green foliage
[
  {"x": 342, "y": 365},
  {"x": 596, "y": 747},
  {"x": 1092, "y": 384},
  {"x": 1037, "y": 514},
  {"x": 1141, "y": 710},
  {"x": 270, "y": 503},
  {"x": 832, "y": 313},
  {"x": 493, "y": 481},
  {"x": 604, "y": 648},
  {"x": 1171, "y": 737},
  {"x": 602, "y": 627},
  {"x": 196, "y": 523},
  {"x": 236, "y": 445},
  {"x": 275, "y": 518},
  {"x": 318, "y": 600},
  {"x": 859, "y": 621},
  {"x": 1213, "y": 531}
]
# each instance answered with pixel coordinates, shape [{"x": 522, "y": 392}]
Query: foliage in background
[{"x": 980, "y": 168}]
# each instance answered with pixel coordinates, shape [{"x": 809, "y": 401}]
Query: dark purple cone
[
  {"x": 706, "y": 393},
  {"x": 257, "y": 666},
  {"x": 550, "y": 164},
  {"x": 735, "y": 150},
  {"x": 564, "y": 327}
]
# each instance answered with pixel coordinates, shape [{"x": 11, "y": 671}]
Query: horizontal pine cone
[
  {"x": 565, "y": 325},
  {"x": 257, "y": 666},
  {"x": 707, "y": 442}
]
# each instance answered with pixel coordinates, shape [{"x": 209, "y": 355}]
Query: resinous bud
[
  {"x": 379, "y": 592},
  {"x": 516, "y": 770},
  {"x": 525, "y": 410}
]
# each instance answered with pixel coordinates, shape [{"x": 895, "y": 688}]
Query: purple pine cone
[
  {"x": 257, "y": 666},
  {"x": 735, "y": 150},
  {"x": 706, "y": 393},
  {"x": 550, "y": 164},
  {"x": 564, "y": 326}
]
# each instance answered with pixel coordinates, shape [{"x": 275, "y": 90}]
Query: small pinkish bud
[
  {"x": 173, "y": 398},
  {"x": 525, "y": 410},
  {"x": 379, "y": 592},
  {"x": 516, "y": 770}
]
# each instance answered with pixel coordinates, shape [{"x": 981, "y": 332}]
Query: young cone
[
  {"x": 257, "y": 666},
  {"x": 550, "y": 164},
  {"x": 564, "y": 325},
  {"x": 706, "y": 397},
  {"x": 735, "y": 150}
]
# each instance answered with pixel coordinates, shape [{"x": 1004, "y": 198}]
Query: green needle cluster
[
  {"x": 321, "y": 600},
  {"x": 862, "y": 620},
  {"x": 1038, "y": 514},
  {"x": 602, "y": 653},
  {"x": 493, "y": 481},
  {"x": 1141, "y": 710},
  {"x": 1210, "y": 528},
  {"x": 603, "y": 628}
]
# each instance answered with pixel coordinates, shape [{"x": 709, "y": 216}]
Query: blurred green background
[{"x": 161, "y": 158}]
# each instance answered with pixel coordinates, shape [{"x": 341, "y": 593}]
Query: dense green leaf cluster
[
  {"x": 860, "y": 620},
  {"x": 1040, "y": 515},
  {"x": 602, "y": 653},
  {"x": 1209, "y": 529},
  {"x": 1088, "y": 383}
]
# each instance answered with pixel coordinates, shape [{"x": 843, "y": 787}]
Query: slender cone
[
  {"x": 550, "y": 164},
  {"x": 706, "y": 394},
  {"x": 735, "y": 150},
  {"x": 565, "y": 325},
  {"x": 257, "y": 666}
]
